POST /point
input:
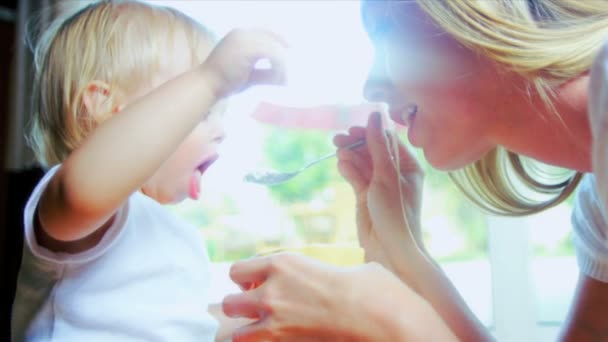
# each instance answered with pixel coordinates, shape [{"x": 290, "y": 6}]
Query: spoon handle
[{"x": 333, "y": 154}]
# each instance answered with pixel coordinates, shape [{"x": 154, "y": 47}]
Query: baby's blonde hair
[
  {"x": 119, "y": 43},
  {"x": 548, "y": 42}
]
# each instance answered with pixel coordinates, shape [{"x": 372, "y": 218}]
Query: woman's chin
[{"x": 441, "y": 162}]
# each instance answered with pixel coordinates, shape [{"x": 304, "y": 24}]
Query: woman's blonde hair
[
  {"x": 548, "y": 42},
  {"x": 119, "y": 43}
]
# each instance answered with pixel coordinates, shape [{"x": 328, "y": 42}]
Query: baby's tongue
[{"x": 195, "y": 184}]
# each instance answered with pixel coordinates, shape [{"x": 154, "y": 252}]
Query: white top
[
  {"x": 589, "y": 217},
  {"x": 590, "y": 231},
  {"x": 146, "y": 280},
  {"x": 598, "y": 120}
]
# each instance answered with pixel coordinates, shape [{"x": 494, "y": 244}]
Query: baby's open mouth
[
  {"x": 195, "y": 179},
  {"x": 205, "y": 165}
]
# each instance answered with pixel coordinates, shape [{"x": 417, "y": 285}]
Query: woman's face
[{"x": 457, "y": 93}]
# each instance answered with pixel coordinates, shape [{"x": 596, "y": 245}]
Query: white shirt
[
  {"x": 590, "y": 231},
  {"x": 589, "y": 217},
  {"x": 146, "y": 280}
]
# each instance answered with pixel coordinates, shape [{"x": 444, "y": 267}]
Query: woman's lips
[
  {"x": 407, "y": 118},
  {"x": 402, "y": 116}
]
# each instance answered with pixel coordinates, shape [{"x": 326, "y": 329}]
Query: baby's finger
[
  {"x": 277, "y": 38},
  {"x": 264, "y": 46},
  {"x": 266, "y": 77},
  {"x": 273, "y": 73}
]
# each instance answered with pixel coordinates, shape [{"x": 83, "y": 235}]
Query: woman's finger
[
  {"x": 353, "y": 135},
  {"x": 357, "y": 131},
  {"x": 251, "y": 271},
  {"x": 360, "y": 159},
  {"x": 378, "y": 146},
  {"x": 243, "y": 305},
  {"x": 352, "y": 175},
  {"x": 343, "y": 140},
  {"x": 266, "y": 45},
  {"x": 254, "y": 332}
]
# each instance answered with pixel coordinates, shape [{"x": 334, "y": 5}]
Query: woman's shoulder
[
  {"x": 587, "y": 199},
  {"x": 590, "y": 235},
  {"x": 598, "y": 120},
  {"x": 589, "y": 214}
]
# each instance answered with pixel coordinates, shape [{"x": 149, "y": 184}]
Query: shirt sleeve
[
  {"x": 598, "y": 120},
  {"x": 44, "y": 254},
  {"x": 590, "y": 231}
]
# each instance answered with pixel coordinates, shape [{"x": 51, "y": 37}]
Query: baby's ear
[{"x": 97, "y": 100}]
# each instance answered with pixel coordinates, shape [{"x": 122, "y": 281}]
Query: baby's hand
[{"x": 232, "y": 63}]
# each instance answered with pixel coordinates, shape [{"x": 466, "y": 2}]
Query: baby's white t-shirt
[
  {"x": 590, "y": 231},
  {"x": 146, "y": 280}
]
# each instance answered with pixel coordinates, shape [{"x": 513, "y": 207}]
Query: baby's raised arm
[{"x": 126, "y": 150}]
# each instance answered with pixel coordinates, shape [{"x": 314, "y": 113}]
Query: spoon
[{"x": 273, "y": 177}]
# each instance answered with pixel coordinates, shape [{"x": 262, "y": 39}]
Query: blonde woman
[
  {"x": 129, "y": 102},
  {"x": 480, "y": 85}
]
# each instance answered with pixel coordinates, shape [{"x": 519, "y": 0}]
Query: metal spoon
[{"x": 273, "y": 177}]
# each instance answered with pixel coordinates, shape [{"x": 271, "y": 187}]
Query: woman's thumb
[{"x": 379, "y": 148}]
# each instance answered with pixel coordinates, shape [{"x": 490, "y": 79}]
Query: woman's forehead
[
  {"x": 376, "y": 15},
  {"x": 372, "y": 12}
]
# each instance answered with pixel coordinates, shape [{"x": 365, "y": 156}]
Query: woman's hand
[
  {"x": 388, "y": 229},
  {"x": 232, "y": 63},
  {"x": 300, "y": 299}
]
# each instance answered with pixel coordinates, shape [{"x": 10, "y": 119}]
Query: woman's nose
[
  {"x": 376, "y": 90},
  {"x": 377, "y": 87}
]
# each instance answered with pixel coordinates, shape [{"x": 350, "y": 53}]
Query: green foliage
[
  {"x": 216, "y": 247},
  {"x": 288, "y": 150}
]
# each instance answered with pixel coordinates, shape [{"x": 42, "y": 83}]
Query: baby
[{"x": 128, "y": 104}]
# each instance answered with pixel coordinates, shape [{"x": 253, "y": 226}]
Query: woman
[{"x": 479, "y": 84}]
